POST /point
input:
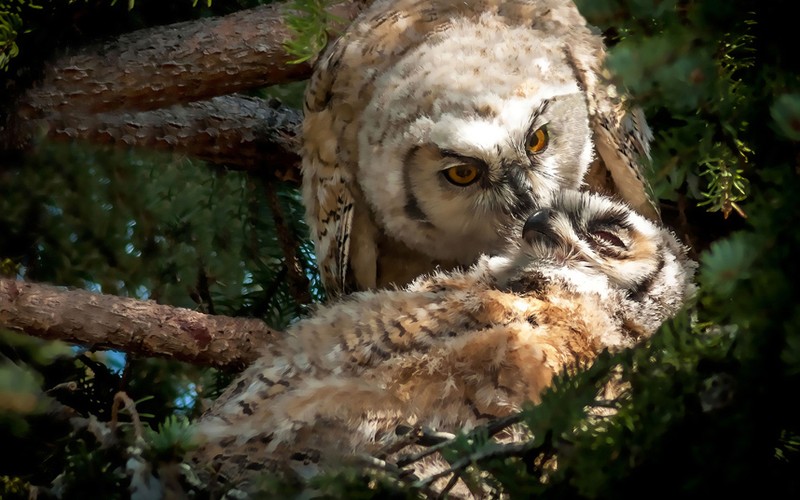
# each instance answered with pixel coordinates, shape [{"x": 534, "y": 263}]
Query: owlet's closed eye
[{"x": 604, "y": 240}]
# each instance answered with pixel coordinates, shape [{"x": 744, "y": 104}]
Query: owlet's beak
[{"x": 538, "y": 226}]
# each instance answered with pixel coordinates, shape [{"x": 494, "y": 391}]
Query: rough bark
[
  {"x": 178, "y": 63},
  {"x": 237, "y": 132},
  {"x": 134, "y": 91},
  {"x": 140, "y": 327}
]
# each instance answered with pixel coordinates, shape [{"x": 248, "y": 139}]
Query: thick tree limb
[
  {"x": 237, "y": 132},
  {"x": 138, "y": 327},
  {"x": 178, "y": 63},
  {"x": 128, "y": 92}
]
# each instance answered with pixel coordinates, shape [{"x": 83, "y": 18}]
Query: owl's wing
[
  {"x": 327, "y": 181},
  {"x": 623, "y": 144},
  {"x": 329, "y": 209},
  {"x": 621, "y": 134}
]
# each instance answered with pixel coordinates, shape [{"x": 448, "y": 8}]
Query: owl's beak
[{"x": 538, "y": 226}]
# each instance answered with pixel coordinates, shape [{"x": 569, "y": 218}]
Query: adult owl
[
  {"x": 431, "y": 126},
  {"x": 452, "y": 349}
]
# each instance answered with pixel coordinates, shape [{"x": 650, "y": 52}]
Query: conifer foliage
[{"x": 710, "y": 405}]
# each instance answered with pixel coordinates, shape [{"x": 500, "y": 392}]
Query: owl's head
[
  {"x": 466, "y": 133},
  {"x": 592, "y": 244}
]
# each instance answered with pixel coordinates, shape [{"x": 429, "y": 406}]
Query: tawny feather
[{"x": 454, "y": 349}]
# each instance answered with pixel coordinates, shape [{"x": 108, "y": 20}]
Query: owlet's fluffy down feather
[
  {"x": 454, "y": 349},
  {"x": 433, "y": 127}
]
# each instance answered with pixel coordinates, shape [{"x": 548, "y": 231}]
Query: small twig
[
  {"x": 683, "y": 221},
  {"x": 204, "y": 292},
  {"x": 499, "y": 424},
  {"x": 430, "y": 437},
  {"x": 408, "y": 436},
  {"x": 450, "y": 485},
  {"x": 503, "y": 451},
  {"x": 269, "y": 293},
  {"x": 70, "y": 386},
  {"x": 298, "y": 281},
  {"x": 403, "y": 461},
  {"x": 121, "y": 398},
  {"x": 382, "y": 465},
  {"x": 492, "y": 428}
]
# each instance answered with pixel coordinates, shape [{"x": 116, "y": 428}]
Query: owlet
[{"x": 453, "y": 349}]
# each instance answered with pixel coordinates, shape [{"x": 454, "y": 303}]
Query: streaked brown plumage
[{"x": 452, "y": 349}]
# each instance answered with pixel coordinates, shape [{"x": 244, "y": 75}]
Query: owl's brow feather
[
  {"x": 449, "y": 153},
  {"x": 539, "y": 111}
]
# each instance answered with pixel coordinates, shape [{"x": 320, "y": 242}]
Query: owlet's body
[
  {"x": 451, "y": 350},
  {"x": 433, "y": 126}
]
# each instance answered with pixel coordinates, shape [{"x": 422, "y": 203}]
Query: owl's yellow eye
[
  {"x": 538, "y": 141},
  {"x": 462, "y": 175}
]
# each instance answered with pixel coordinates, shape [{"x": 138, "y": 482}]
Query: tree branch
[
  {"x": 178, "y": 63},
  {"x": 140, "y": 327},
  {"x": 299, "y": 285},
  {"x": 238, "y": 132},
  {"x": 159, "y": 87}
]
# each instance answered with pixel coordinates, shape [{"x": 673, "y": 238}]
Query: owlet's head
[{"x": 593, "y": 244}]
